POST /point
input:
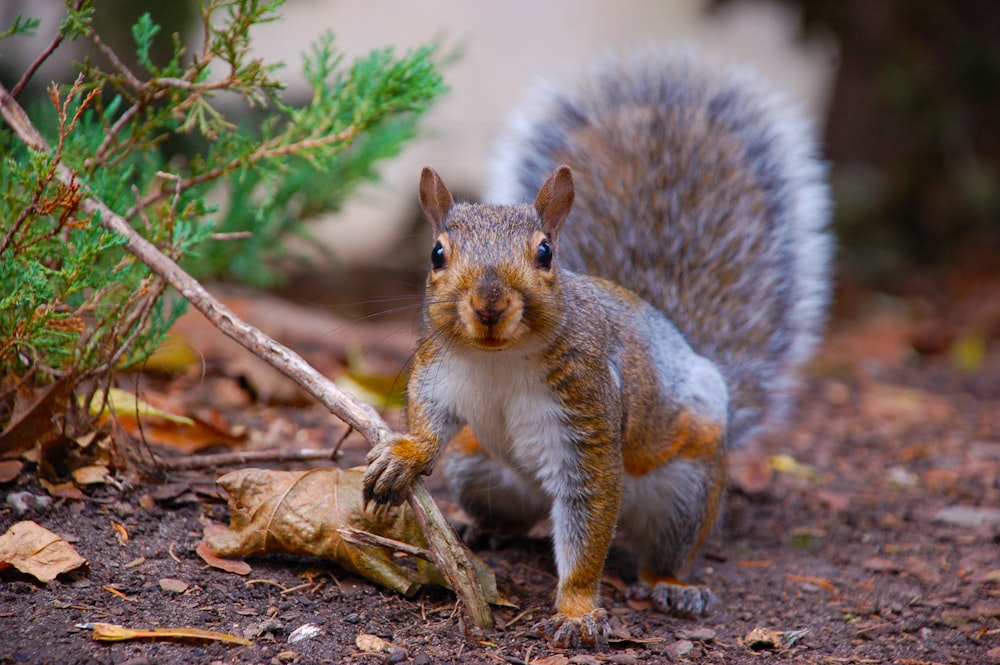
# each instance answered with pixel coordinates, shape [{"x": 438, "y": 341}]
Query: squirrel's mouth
[{"x": 491, "y": 343}]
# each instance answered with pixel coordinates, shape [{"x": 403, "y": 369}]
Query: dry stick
[
  {"x": 360, "y": 537},
  {"x": 189, "y": 462},
  {"x": 445, "y": 548}
]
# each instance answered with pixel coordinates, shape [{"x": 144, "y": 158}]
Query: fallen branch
[
  {"x": 445, "y": 548},
  {"x": 359, "y": 537},
  {"x": 190, "y": 462}
]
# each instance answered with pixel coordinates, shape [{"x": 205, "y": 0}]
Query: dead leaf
[
  {"x": 121, "y": 534},
  {"x": 116, "y": 592},
  {"x": 122, "y": 403},
  {"x": 880, "y": 565},
  {"x": 62, "y": 490},
  {"x": 34, "y": 423},
  {"x": 371, "y": 643},
  {"x": 92, "y": 474},
  {"x": 10, "y": 469},
  {"x": 109, "y": 632},
  {"x": 760, "y": 563},
  {"x": 173, "y": 585},
  {"x": 36, "y": 551},
  {"x": 208, "y": 555},
  {"x": 821, "y": 582},
  {"x": 968, "y": 352},
  {"x": 301, "y": 512},
  {"x": 188, "y": 438},
  {"x": 381, "y": 390},
  {"x": 790, "y": 465},
  {"x": 760, "y": 639},
  {"x": 173, "y": 355},
  {"x": 557, "y": 659}
]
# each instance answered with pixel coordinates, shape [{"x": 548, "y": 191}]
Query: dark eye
[
  {"x": 437, "y": 256},
  {"x": 544, "y": 256}
]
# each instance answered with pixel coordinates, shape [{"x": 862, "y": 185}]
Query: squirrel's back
[{"x": 699, "y": 191}]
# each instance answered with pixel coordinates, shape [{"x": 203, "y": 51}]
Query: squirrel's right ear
[
  {"x": 555, "y": 200},
  {"x": 435, "y": 199}
]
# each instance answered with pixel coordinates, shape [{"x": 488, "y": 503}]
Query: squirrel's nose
[
  {"x": 489, "y": 299},
  {"x": 489, "y": 314}
]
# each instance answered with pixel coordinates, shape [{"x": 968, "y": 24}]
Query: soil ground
[{"x": 865, "y": 532}]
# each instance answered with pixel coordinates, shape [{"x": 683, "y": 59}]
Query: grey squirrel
[{"x": 606, "y": 367}]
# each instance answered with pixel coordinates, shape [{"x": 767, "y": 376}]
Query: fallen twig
[
  {"x": 445, "y": 548},
  {"x": 359, "y": 537},
  {"x": 189, "y": 462}
]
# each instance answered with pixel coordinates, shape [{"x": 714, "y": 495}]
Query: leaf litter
[{"x": 820, "y": 506}]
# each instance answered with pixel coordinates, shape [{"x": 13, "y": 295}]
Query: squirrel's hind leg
[
  {"x": 494, "y": 495},
  {"x": 666, "y": 540}
]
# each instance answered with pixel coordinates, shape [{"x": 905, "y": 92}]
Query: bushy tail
[{"x": 698, "y": 190}]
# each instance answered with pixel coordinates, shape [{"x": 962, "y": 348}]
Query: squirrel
[{"x": 605, "y": 368}]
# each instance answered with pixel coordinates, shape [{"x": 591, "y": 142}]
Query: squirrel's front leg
[
  {"x": 396, "y": 461},
  {"x": 584, "y": 514}
]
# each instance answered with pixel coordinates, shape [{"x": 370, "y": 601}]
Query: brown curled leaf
[{"x": 303, "y": 512}]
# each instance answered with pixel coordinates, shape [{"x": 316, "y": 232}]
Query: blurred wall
[{"x": 504, "y": 48}]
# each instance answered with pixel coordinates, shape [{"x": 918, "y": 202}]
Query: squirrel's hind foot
[
  {"x": 592, "y": 629},
  {"x": 676, "y": 599}
]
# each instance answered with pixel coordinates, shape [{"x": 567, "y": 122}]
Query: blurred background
[{"x": 904, "y": 94}]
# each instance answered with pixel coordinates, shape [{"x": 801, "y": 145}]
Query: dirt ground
[{"x": 866, "y": 532}]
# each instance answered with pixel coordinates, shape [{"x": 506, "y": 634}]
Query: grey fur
[{"x": 703, "y": 194}]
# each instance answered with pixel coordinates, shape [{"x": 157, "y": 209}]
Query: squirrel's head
[{"x": 494, "y": 280}]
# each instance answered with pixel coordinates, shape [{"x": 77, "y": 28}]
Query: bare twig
[
  {"x": 445, "y": 548},
  {"x": 359, "y": 537},
  {"x": 267, "y": 150},
  {"x": 190, "y": 462},
  {"x": 42, "y": 57},
  {"x": 120, "y": 66}
]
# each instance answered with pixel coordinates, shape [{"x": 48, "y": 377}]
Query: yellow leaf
[
  {"x": 109, "y": 632},
  {"x": 790, "y": 465},
  {"x": 122, "y": 401},
  {"x": 173, "y": 355},
  {"x": 968, "y": 352},
  {"x": 36, "y": 551}
]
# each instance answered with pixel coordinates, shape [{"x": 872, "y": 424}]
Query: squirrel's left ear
[
  {"x": 435, "y": 198},
  {"x": 555, "y": 200}
]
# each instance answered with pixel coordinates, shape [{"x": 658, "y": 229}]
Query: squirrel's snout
[{"x": 489, "y": 311}]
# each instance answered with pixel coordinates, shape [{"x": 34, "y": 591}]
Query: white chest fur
[{"x": 516, "y": 417}]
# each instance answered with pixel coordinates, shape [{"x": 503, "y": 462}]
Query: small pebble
[{"x": 680, "y": 648}]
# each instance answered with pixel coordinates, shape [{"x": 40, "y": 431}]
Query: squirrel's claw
[
  {"x": 592, "y": 629},
  {"x": 387, "y": 478},
  {"x": 679, "y": 600}
]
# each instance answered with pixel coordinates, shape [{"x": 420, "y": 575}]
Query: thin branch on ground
[
  {"x": 236, "y": 458},
  {"x": 359, "y": 537}
]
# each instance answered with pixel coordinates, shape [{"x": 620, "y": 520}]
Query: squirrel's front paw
[
  {"x": 390, "y": 472},
  {"x": 680, "y": 600},
  {"x": 591, "y": 629}
]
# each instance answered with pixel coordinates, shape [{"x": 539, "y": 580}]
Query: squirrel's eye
[
  {"x": 437, "y": 256},
  {"x": 544, "y": 256}
]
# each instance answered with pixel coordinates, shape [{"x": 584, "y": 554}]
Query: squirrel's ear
[
  {"x": 435, "y": 199},
  {"x": 555, "y": 200}
]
